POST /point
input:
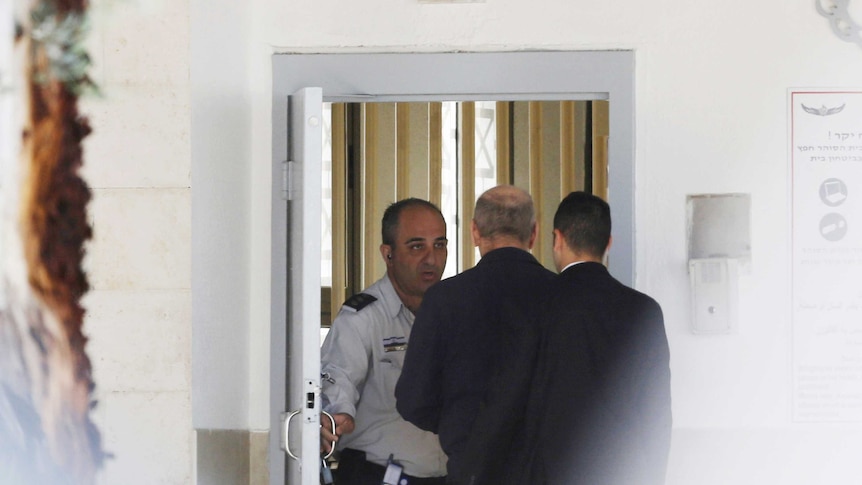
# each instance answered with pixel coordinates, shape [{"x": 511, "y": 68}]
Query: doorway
[{"x": 515, "y": 76}]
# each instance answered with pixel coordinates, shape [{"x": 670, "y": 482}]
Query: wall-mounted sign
[{"x": 826, "y": 200}]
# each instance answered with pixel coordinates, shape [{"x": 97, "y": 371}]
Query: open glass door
[{"x": 296, "y": 273}]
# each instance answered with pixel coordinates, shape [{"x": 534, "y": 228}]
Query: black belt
[{"x": 354, "y": 469}]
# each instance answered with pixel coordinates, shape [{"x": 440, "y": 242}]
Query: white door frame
[{"x": 534, "y": 75}]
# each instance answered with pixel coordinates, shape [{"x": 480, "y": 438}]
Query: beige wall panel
[
  {"x": 385, "y": 133},
  {"x": 600, "y": 148},
  {"x": 223, "y": 457},
  {"x": 521, "y": 141},
  {"x": 127, "y": 421},
  {"x": 155, "y": 251},
  {"x": 258, "y": 462},
  {"x": 418, "y": 150},
  {"x": 368, "y": 187},
  {"x": 402, "y": 150},
  {"x": 536, "y": 144},
  {"x": 339, "y": 208},
  {"x": 567, "y": 146},
  {"x": 550, "y": 178},
  {"x": 379, "y": 182},
  {"x": 140, "y": 340},
  {"x": 435, "y": 153},
  {"x": 581, "y": 110},
  {"x": 468, "y": 182},
  {"x": 504, "y": 156}
]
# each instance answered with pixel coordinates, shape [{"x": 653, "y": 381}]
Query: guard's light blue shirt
[{"x": 363, "y": 353}]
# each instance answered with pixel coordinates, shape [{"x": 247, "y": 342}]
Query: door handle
[
  {"x": 286, "y": 418},
  {"x": 285, "y": 432},
  {"x": 332, "y": 421}
]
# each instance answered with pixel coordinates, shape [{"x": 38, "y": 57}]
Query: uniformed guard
[{"x": 364, "y": 351}]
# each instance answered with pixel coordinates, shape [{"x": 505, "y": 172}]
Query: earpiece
[{"x": 389, "y": 256}]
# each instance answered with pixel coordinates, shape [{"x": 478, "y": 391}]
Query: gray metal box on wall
[
  {"x": 719, "y": 226},
  {"x": 719, "y": 245}
]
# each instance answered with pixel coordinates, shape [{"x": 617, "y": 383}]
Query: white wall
[
  {"x": 137, "y": 163},
  {"x": 221, "y": 127}
]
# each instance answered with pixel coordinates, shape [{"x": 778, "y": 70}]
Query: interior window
[{"x": 448, "y": 153}]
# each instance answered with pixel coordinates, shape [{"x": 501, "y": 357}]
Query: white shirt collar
[{"x": 572, "y": 264}]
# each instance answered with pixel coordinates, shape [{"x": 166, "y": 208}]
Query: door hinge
[{"x": 287, "y": 192}]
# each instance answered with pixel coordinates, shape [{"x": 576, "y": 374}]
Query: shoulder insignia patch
[{"x": 359, "y": 301}]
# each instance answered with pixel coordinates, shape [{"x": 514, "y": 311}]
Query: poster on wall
[{"x": 826, "y": 231}]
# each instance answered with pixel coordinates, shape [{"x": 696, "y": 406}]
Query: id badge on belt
[{"x": 393, "y": 472}]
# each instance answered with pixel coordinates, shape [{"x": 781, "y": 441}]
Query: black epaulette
[{"x": 359, "y": 301}]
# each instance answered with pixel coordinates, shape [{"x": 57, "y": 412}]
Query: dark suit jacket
[
  {"x": 599, "y": 410},
  {"x": 465, "y": 328}
]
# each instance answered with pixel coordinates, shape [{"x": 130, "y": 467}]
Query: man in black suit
[
  {"x": 470, "y": 324},
  {"x": 599, "y": 409}
]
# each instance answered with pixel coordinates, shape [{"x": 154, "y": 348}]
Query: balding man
[
  {"x": 468, "y": 325},
  {"x": 363, "y": 352}
]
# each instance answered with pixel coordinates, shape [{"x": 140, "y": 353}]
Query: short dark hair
[
  {"x": 585, "y": 222},
  {"x": 392, "y": 215}
]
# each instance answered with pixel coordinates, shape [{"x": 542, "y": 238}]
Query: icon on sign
[
  {"x": 833, "y": 227},
  {"x": 833, "y": 192}
]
